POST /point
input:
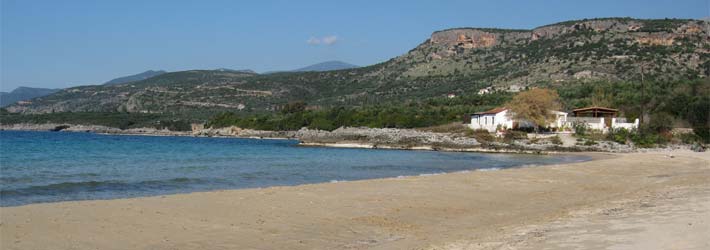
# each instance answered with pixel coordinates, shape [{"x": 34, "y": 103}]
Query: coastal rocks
[
  {"x": 91, "y": 128},
  {"x": 601, "y": 146},
  {"x": 57, "y": 127},
  {"x": 386, "y": 137},
  {"x": 233, "y": 131},
  {"x": 351, "y": 137}
]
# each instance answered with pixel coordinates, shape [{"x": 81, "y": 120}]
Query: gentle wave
[
  {"x": 432, "y": 174},
  {"x": 488, "y": 169},
  {"x": 381, "y": 167}
]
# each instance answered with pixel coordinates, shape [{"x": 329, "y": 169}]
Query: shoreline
[
  {"x": 518, "y": 207},
  {"x": 416, "y": 140},
  {"x": 479, "y": 149},
  {"x": 592, "y": 156}
]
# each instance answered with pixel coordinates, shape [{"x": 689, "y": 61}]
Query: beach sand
[{"x": 619, "y": 201}]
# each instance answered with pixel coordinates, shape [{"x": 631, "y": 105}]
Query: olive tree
[{"x": 534, "y": 106}]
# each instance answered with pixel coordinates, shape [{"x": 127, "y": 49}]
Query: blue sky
[{"x": 67, "y": 43}]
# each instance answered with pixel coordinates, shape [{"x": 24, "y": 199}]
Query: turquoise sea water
[{"x": 59, "y": 166}]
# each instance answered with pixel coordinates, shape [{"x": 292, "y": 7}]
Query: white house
[
  {"x": 490, "y": 120},
  {"x": 501, "y": 118}
]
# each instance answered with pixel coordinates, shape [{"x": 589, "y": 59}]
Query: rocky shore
[
  {"x": 93, "y": 129},
  {"x": 413, "y": 139},
  {"x": 351, "y": 137}
]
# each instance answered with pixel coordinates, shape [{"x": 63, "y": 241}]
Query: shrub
[
  {"x": 689, "y": 138},
  {"x": 620, "y": 135},
  {"x": 322, "y": 124},
  {"x": 482, "y": 135},
  {"x": 645, "y": 139},
  {"x": 556, "y": 140},
  {"x": 293, "y": 107},
  {"x": 661, "y": 122},
  {"x": 515, "y": 135},
  {"x": 580, "y": 128},
  {"x": 174, "y": 125},
  {"x": 703, "y": 132}
]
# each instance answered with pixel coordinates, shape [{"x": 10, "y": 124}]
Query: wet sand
[{"x": 622, "y": 201}]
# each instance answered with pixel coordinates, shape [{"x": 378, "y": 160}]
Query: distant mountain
[
  {"x": 22, "y": 94},
  {"x": 136, "y": 77},
  {"x": 327, "y": 66},
  {"x": 248, "y": 71}
]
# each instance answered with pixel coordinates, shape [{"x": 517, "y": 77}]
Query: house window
[
  {"x": 493, "y": 120},
  {"x": 485, "y": 121}
]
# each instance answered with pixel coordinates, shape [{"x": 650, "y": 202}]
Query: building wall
[
  {"x": 600, "y": 123},
  {"x": 490, "y": 122},
  {"x": 624, "y": 125}
]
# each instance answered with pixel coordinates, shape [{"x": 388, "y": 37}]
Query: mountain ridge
[
  {"x": 326, "y": 66},
  {"x": 23, "y": 94},
  {"x": 136, "y": 77},
  {"x": 460, "y": 60},
  {"x": 318, "y": 67},
  {"x": 237, "y": 70}
]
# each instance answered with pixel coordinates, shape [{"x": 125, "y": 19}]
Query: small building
[
  {"x": 600, "y": 118},
  {"x": 501, "y": 118},
  {"x": 491, "y": 120},
  {"x": 451, "y": 95}
]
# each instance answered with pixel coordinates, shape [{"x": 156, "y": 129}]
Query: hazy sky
[{"x": 66, "y": 43}]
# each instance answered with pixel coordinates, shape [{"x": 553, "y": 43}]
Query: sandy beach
[{"x": 618, "y": 201}]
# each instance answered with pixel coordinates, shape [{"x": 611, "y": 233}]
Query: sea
[{"x": 38, "y": 167}]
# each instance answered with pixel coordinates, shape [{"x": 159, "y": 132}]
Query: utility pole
[{"x": 643, "y": 95}]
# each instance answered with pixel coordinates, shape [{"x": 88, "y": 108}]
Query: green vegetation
[
  {"x": 432, "y": 112},
  {"x": 662, "y": 25},
  {"x": 116, "y": 120},
  {"x": 667, "y": 104}
]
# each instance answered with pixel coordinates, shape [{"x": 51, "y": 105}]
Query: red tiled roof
[{"x": 492, "y": 111}]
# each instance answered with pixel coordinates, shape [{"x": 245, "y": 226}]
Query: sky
[{"x": 57, "y": 44}]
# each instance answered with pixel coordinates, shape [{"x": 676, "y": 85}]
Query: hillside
[
  {"x": 23, "y": 93},
  {"x": 136, "y": 77},
  {"x": 327, "y": 66},
  {"x": 460, "y": 60}
]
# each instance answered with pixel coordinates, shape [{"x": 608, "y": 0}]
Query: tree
[
  {"x": 534, "y": 106},
  {"x": 294, "y": 107}
]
